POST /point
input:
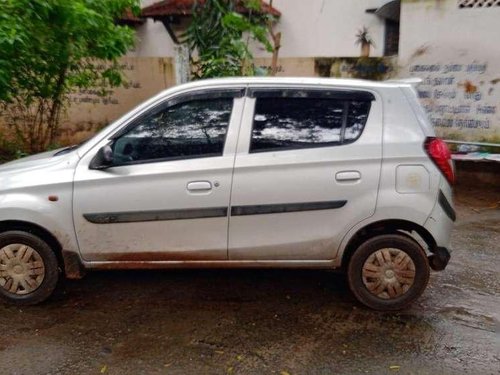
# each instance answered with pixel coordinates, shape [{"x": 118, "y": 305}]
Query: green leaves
[
  {"x": 236, "y": 22},
  {"x": 254, "y": 5},
  {"x": 220, "y": 38},
  {"x": 47, "y": 49},
  {"x": 41, "y": 38}
]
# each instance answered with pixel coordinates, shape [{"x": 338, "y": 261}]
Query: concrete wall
[
  {"x": 454, "y": 50},
  {"x": 152, "y": 38},
  {"x": 90, "y": 111},
  {"x": 310, "y": 28},
  {"x": 327, "y": 28}
]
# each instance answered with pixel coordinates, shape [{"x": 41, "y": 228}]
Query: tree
[
  {"x": 216, "y": 36},
  {"x": 49, "y": 48}
]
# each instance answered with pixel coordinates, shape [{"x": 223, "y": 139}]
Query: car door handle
[
  {"x": 348, "y": 176},
  {"x": 199, "y": 186}
]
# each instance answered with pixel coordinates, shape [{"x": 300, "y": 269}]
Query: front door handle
[
  {"x": 347, "y": 176},
  {"x": 199, "y": 186}
]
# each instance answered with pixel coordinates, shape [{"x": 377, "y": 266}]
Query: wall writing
[
  {"x": 105, "y": 96},
  {"x": 92, "y": 108},
  {"x": 461, "y": 99}
]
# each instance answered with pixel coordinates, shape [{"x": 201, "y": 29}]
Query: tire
[
  {"x": 388, "y": 272},
  {"x": 29, "y": 270}
]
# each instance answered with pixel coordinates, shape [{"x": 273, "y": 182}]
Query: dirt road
[{"x": 267, "y": 322}]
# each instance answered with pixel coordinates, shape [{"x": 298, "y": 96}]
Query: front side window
[
  {"x": 282, "y": 123},
  {"x": 190, "y": 129}
]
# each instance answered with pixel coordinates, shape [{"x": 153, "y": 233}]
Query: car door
[
  {"x": 307, "y": 169},
  {"x": 165, "y": 196}
]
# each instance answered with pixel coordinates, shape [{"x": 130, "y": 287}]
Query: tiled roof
[
  {"x": 185, "y": 8},
  {"x": 129, "y": 18}
]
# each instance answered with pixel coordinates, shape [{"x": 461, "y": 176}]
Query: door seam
[{"x": 233, "y": 170}]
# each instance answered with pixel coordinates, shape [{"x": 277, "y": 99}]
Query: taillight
[{"x": 441, "y": 156}]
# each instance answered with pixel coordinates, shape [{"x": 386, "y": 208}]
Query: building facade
[{"x": 449, "y": 44}]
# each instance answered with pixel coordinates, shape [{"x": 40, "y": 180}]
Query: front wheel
[
  {"x": 28, "y": 268},
  {"x": 388, "y": 272}
]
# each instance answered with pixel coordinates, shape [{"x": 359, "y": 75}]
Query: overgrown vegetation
[
  {"x": 372, "y": 68},
  {"x": 218, "y": 37},
  {"x": 9, "y": 150},
  {"x": 48, "y": 48}
]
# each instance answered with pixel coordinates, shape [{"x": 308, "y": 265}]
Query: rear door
[{"x": 307, "y": 169}]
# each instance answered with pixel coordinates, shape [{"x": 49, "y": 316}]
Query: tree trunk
[{"x": 277, "y": 46}]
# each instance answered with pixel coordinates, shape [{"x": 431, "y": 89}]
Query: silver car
[{"x": 246, "y": 172}]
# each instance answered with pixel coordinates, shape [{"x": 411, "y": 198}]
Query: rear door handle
[
  {"x": 347, "y": 176},
  {"x": 199, "y": 186}
]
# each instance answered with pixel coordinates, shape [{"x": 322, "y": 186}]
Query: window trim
[
  {"x": 351, "y": 95},
  {"x": 319, "y": 93},
  {"x": 181, "y": 98},
  {"x": 232, "y": 93},
  {"x": 162, "y": 160}
]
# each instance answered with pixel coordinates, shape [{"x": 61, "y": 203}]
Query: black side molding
[
  {"x": 163, "y": 215},
  {"x": 285, "y": 208},
  {"x": 203, "y": 213},
  {"x": 446, "y": 206}
]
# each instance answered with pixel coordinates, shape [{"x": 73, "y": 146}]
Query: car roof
[{"x": 307, "y": 81}]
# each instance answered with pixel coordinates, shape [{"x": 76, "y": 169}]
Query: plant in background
[
  {"x": 276, "y": 38},
  {"x": 216, "y": 37},
  {"x": 49, "y": 48},
  {"x": 364, "y": 39}
]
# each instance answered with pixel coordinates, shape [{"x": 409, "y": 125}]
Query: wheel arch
[
  {"x": 68, "y": 261},
  {"x": 390, "y": 226}
]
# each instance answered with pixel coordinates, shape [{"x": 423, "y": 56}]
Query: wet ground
[{"x": 269, "y": 322}]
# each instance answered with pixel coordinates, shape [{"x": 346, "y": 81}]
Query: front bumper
[{"x": 439, "y": 258}]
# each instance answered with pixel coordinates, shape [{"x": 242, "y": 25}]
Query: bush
[{"x": 48, "y": 49}]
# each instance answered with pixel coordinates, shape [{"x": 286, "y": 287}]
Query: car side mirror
[{"x": 103, "y": 159}]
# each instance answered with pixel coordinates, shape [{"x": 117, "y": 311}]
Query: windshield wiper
[{"x": 69, "y": 148}]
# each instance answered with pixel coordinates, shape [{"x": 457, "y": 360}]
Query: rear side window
[
  {"x": 357, "y": 114},
  {"x": 307, "y": 119}
]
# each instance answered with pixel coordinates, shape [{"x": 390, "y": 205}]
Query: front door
[
  {"x": 307, "y": 169},
  {"x": 166, "y": 195}
]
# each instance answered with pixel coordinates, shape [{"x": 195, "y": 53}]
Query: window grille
[
  {"x": 391, "y": 43},
  {"x": 478, "y": 3}
]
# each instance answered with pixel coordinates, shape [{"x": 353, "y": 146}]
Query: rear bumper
[
  {"x": 446, "y": 206},
  {"x": 440, "y": 223},
  {"x": 439, "y": 258}
]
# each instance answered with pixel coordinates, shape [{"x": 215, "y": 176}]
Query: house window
[{"x": 391, "y": 46}]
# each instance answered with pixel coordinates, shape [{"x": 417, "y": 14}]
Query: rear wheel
[
  {"x": 28, "y": 268},
  {"x": 388, "y": 272}
]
